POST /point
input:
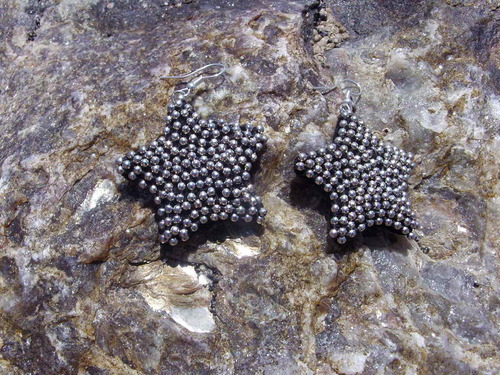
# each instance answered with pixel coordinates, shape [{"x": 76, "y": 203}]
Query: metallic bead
[
  {"x": 341, "y": 240},
  {"x": 351, "y": 233}
]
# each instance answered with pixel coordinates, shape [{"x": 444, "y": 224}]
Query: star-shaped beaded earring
[
  {"x": 199, "y": 169},
  {"x": 366, "y": 178}
]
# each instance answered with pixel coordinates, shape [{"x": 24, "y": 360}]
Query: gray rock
[{"x": 86, "y": 288}]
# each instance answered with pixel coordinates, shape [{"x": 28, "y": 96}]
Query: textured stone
[{"x": 85, "y": 287}]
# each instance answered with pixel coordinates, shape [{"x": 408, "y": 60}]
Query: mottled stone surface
[{"x": 85, "y": 288}]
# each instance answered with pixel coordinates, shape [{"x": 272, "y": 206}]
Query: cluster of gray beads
[
  {"x": 198, "y": 171},
  {"x": 366, "y": 179}
]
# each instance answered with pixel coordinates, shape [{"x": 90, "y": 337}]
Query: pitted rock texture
[{"x": 86, "y": 288}]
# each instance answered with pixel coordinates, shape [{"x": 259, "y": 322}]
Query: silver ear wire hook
[
  {"x": 185, "y": 91},
  {"x": 325, "y": 90},
  {"x": 351, "y": 89}
]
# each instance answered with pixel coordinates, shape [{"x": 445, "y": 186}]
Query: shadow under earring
[
  {"x": 366, "y": 178},
  {"x": 198, "y": 170}
]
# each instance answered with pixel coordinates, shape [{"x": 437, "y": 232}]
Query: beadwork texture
[
  {"x": 198, "y": 171},
  {"x": 366, "y": 179}
]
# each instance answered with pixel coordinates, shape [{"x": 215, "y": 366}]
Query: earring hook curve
[
  {"x": 185, "y": 91},
  {"x": 351, "y": 89},
  {"x": 222, "y": 69}
]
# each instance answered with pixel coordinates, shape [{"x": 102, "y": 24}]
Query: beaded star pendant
[
  {"x": 366, "y": 180},
  {"x": 198, "y": 171}
]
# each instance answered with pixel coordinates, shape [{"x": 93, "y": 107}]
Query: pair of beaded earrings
[{"x": 199, "y": 171}]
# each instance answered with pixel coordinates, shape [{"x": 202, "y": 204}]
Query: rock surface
[{"x": 86, "y": 287}]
